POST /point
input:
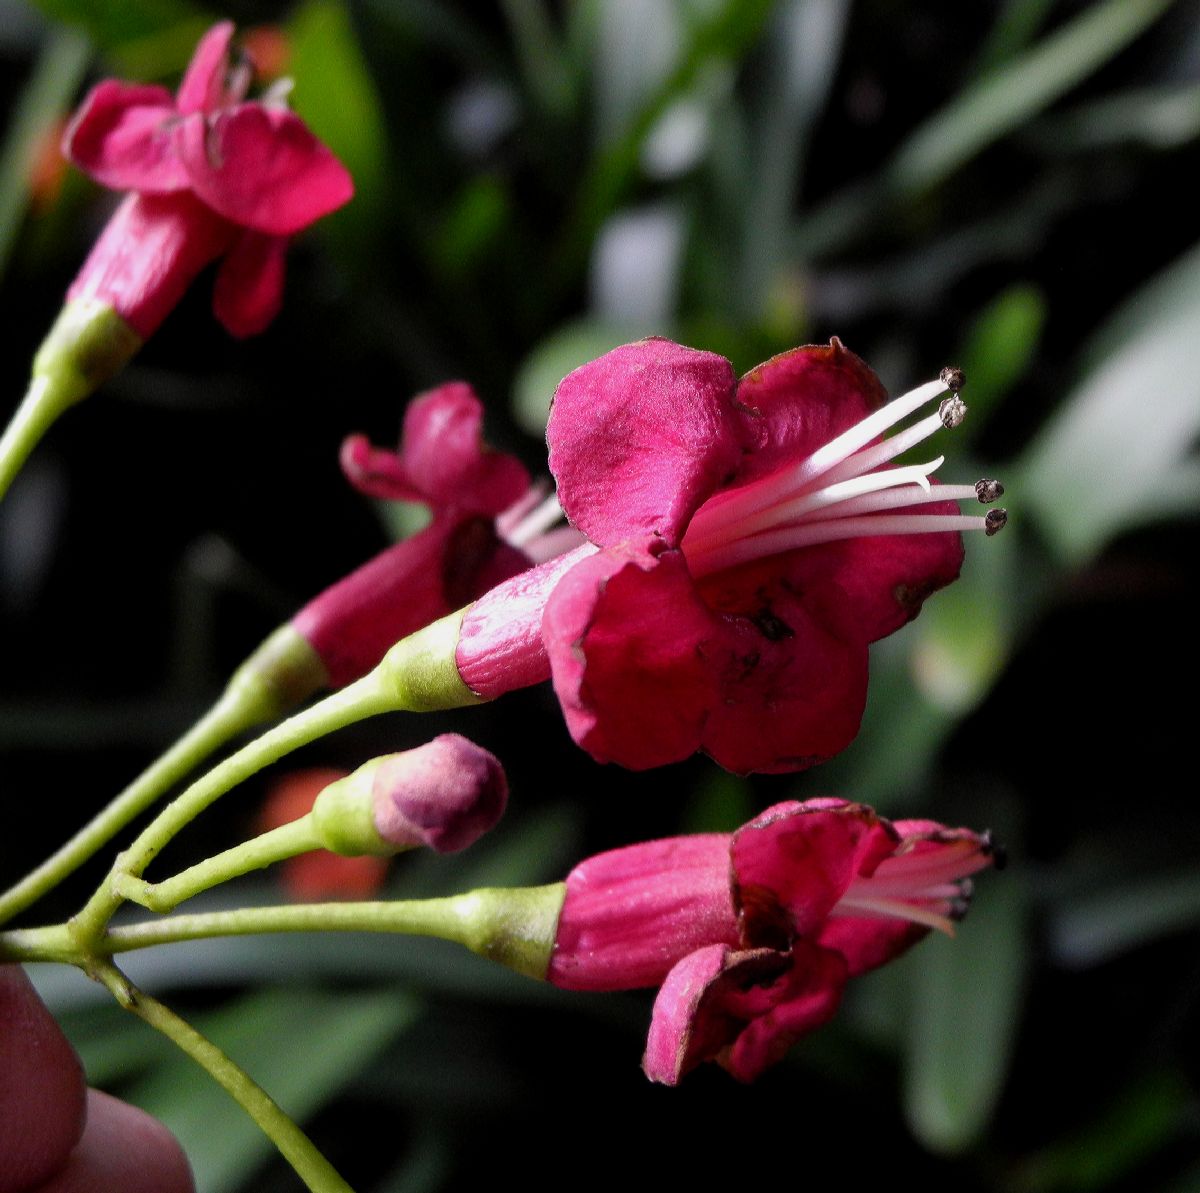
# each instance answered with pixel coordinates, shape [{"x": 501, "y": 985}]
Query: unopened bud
[{"x": 445, "y": 794}]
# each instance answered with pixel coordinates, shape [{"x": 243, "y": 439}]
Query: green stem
[
  {"x": 313, "y": 1169},
  {"x": 367, "y": 697},
  {"x": 44, "y": 401},
  {"x": 513, "y": 926},
  {"x": 232, "y": 714},
  {"x": 264, "y": 850}
]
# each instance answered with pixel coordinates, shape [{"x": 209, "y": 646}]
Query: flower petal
[
  {"x": 261, "y": 167},
  {"x": 625, "y": 633},
  {"x": 805, "y": 998},
  {"x": 249, "y": 286},
  {"x": 203, "y": 86},
  {"x": 641, "y": 437},
  {"x": 443, "y": 451},
  {"x": 630, "y": 914},
  {"x": 121, "y": 137},
  {"x": 793, "y": 863},
  {"x": 801, "y": 399},
  {"x": 883, "y": 579},
  {"x": 866, "y": 944},
  {"x": 793, "y": 675}
]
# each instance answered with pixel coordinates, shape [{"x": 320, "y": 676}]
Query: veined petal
[
  {"x": 793, "y": 863},
  {"x": 121, "y": 137},
  {"x": 803, "y": 398},
  {"x": 641, "y": 437},
  {"x": 249, "y": 287},
  {"x": 261, "y": 167},
  {"x": 625, "y": 634},
  {"x": 203, "y": 85},
  {"x": 443, "y": 452}
]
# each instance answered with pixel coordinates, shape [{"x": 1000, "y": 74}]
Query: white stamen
[
  {"x": 893, "y": 909},
  {"x": 727, "y": 507},
  {"x": 537, "y": 522},
  {"x": 775, "y": 542}
]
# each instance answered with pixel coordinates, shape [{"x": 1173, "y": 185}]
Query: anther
[
  {"x": 988, "y": 490},
  {"x": 952, "y": 411},
  {"x": 993, "y": 849},
  {"x": 994, "y": 521},
  {"x": 953, "y": 378}
]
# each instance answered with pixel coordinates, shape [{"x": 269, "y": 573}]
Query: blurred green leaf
[
  {"x": 427, "y": 1162},
  {"x": 110, "y": 23},
  {"x": 1015, "y": 27},
  {"x": 1140, "y": 1121},
  {"x": 996, "y": 104},
  {"x": 540, "y": 53},
  {"x": 722, "y": 803},
  {"x": 1156, "y": 117},
  {"x": 44, "y": 100},
  {"x": 966, "y": 999},
  {"x": 1089, "y": 929},
  {"x": 301, "y": 1046},
  {"x": 1118, "y": 450},
  {"x": 337, "y": 97},
  {"x": 564, "y": 350},
  {"x": 477, "y": 218},
  {"x": 1001, "y": 345}
]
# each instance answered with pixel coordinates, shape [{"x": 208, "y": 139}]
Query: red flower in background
[
  {"x": 211, "y": 175},
  {"x": 745, "y": 548}
]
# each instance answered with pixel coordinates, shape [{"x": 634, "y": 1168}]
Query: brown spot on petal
[
  {"x": 773, "y": 628},
  {"x": 762, "y": 921}
]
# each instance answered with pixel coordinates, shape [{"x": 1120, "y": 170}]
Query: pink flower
[
  {"x": 210, "y": 175},
  {"x": 478, "y": 535},
  {"x": 754, "y": 934},
  {"x": 746, "y": 545}
]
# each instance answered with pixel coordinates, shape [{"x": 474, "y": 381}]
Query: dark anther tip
[
  {"x": 993, "y": 849},
  {"x": 952, "y": 411},
  {"x": 988, "y": 490},
  {"x": 953, "y": 378},
  {"x": 994, "y": 521}
]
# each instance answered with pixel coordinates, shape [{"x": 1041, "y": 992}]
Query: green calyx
[
  {"x": 88, "y": 344},
  {"x": 420, "y": 671},
  {"x": 514, "y": 927},
  {"x": 343, "y": 815},
  {"x": 281, "y": 674}
]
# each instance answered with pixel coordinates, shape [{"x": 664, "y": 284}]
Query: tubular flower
[
  {"x": 746, "y": 544},
  {"x": 482, "y": 531},
  {"x": 210, "y": 175},
  {"x": 753, "y": 935}
]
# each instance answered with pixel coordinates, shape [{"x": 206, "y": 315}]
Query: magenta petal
[
  {"x": 625, "y": 634},
  {"x": 203, "y": 86},
  {"x": 443, "y": 452},
  {"x": 805, "y": 998},
  {"x": 352, "y": 623},
  {"x": 630, "y": 914},
  {"x": 793, "y": 863},
  {"x": 641, "y": 437},
  {"x": 261, "y": 167},
  {"x": 121, "y": 137},
  {"x": 867, "y": 944},
  {"x": 377, "y": 471},
  {"x": 803, "y": 398},
  {"x": 249, "y": 286}
]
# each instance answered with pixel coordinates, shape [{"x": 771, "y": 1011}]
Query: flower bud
[{"x": 444, "y": 794}]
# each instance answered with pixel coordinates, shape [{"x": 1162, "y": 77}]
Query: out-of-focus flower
[
  {"x": 753, "y": 935},
  {"x": 211, "y": 175},
  {"x": 746, "y": 545},
  {"x": 318, "y": 874},
  {"x": 486, "y": 525}
]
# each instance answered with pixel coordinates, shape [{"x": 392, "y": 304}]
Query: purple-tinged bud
[{"x": 445, "y": 794}]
